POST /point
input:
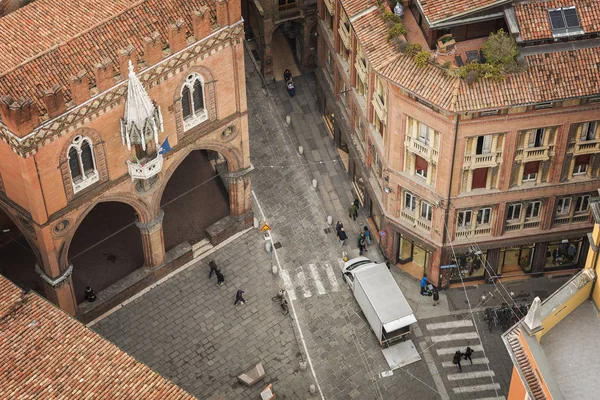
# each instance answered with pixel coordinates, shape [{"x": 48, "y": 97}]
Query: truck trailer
[{"x": 380, "y": 299}]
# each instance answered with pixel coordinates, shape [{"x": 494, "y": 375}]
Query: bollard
[
  {"x": 274, "y": 269},
  {"x": 329, "y": 220},
  {"x": 314, "y": 183},
  {"x": 302, "y": 365},
  {"x": 300, "y": 150},
  {"x": 268, "y": 247},
  {"x": 255, "y": 223},
  {"x": 288, "y": 120},
  {"x": 312, "y": 389}
]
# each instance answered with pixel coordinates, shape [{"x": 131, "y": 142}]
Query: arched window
[
  {"x": 81, "y": 163},
  {"x": 193, "y": 101}
]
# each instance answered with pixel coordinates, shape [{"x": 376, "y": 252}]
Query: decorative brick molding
[
  {"x": 56, "y": 281},
  {"x": 98, "y": 147},
  {"x": 100, "y": 104}
]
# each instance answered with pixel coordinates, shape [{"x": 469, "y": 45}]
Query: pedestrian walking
[
  {"x": 239, "y": 297},
  {"x": 436, "y": 297},
  {"x": 89, "y": 294},
  {"x": 213, "y": 268},
  {"x": 367, "y": 235},
  {"x": 467, "y": 354},
  {"x": 353, "y": 211},
  {"x": 456, "y": 359},
  {"x": 220, "y": 278},
  {"x": 361, "y": 244},
  {"x": 338, "y": 226},
  {"x": 357, "y": 203},
  {"x": 342, "y": 236}
]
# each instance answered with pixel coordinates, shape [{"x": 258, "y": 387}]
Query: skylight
[{"x": 565, "y": 22}]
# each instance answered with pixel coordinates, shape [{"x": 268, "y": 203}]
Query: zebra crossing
[
  {"x": 309, "y": 281},
  {"x": 476, "y": 381}
]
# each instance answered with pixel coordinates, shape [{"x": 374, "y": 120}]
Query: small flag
[
  {"x": 165, "y": 147},
  {"x": 137, "y": 160}
]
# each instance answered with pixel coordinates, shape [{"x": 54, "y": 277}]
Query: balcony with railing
[
  {"x": 570, "y": 219},
  {"x": 583, "y": 147},
  {"x": 412, "y": 217},
  {"x": 541, "y": 153},
  {"x": 379, "y": 106},
  {"x": 143, "y": 169},
  {"x": 489, "y": 160},
  {"x": 518, "y": 225},
  {"x": 473, "y": 231},
  {"x": 421, "y": 149}
]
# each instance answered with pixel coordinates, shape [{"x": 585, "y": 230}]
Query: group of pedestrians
[
  {"x": 364, "y": 237},
  {"x": 239, "y": 295},
  {"x": 459, "y": 356}
]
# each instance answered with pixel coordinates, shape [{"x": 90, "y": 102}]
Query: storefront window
[
  {"x": 359, "y": 185},
  {"x": 564, "y": 253},
  {"x": 469, "y": 265},
  {"x": 376, "y": 215},
  {"x": 516, "y": 259},
  {"x": 329, "y": 118},
  {"x": 405, "y": 250}
]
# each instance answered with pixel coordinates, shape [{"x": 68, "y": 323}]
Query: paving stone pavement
[{"x": 188, "y": 329}]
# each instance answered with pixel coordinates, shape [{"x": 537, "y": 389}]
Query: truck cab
[{"x": 349, "y": 269}]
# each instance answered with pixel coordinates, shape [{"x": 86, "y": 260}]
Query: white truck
[{"x": 380, "y": 299}]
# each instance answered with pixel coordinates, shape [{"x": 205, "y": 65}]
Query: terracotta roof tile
[
  {"x": 49, "y": 355},
  {"x": 354, "y": 7},
  {"x": 436, "y": 10},
  {"x": 48, "y": 41},
  {"x": 371, "y": 32},
  {"x": 534, "y": 22}
]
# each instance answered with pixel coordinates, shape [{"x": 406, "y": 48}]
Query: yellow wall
[
  {"x": 564, "y": 310},
  {"x": 593, "y": 261}
]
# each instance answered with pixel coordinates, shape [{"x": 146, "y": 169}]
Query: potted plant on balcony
[{"x": 446, "y": 43}]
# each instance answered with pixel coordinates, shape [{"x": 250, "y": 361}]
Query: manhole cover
[{"x": 277, "y": 245}]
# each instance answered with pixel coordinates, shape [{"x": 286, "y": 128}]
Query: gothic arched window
[
  {"x": 81, "y": 163},
  {"x": 193, "y": 101}
]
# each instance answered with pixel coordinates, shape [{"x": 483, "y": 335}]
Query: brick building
[
  {"x": 292, "y": 21},
  {"x": 492, "y": 177},
  {"x": 49, "y": 355},
  {"x": 94, "y": 94}
]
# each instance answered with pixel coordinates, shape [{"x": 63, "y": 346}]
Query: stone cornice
[
  {"x": 56, "y": 281},
  {"x": 150, "y": 77},
  {"x": 151, "y": 226}
]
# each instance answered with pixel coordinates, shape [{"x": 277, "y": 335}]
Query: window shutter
[
  {"x": 479, "y": 178},
  {"x": 198, "y": 96},
  {"x": 87, "y": 159},
  {"x": 185, "y": 102},
  {"x": 420, "y": 163},
  {"x": 74, "y": 164}
]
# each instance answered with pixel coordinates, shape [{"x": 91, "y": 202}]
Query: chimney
[
  {"x": 222, "y": 17},
  {"x": 54, "y": 100},
  {"x": 201, "y": 23},
  {"x": 153, "y": 48},
  {"x": 80, "y": 88},
  {"x": 105, "y": 75},
  {"x": 20, "y": 116},
  {"x": 177, "y": 36},
  {"x": 235, "y": 11},
  {"x": 126, "y": 54}
]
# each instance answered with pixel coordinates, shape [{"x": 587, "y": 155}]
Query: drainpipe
[{"x": 447, "y": 214}]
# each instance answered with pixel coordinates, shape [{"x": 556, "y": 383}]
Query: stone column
[
  {"x": 153, "y": 241},
  {"x": 240, "y": 194}
]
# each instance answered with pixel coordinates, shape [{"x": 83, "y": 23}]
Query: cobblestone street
[{"x": 188, "y": 329}]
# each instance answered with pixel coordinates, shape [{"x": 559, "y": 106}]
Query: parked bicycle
[
  {"x": 505, "y": 316},
  {"x": 283, "y": 303}
]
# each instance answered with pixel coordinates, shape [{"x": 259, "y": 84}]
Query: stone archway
[
  {"x": 105, "y": 245},
  {"x": 285, "y": 49}
]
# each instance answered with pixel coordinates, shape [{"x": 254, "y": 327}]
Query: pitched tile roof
[
  {"x": 436, "y": 10},
  {"x": 49, "y": 355},
  {"x": 354, "y": 7},
  {"x": 551, "y": 76},
  {"x": 534, "y": 22},
  {"x": 46, "y": 42}
]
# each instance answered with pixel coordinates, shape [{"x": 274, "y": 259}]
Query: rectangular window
[
  {"x": 582, "y": 204},
  {"x": 563, "y": 206},
  {"x": 484, "y": 216},
  {"x": 421, "y": 166},
  {"x": 426, "y": 210},
  {"x": 410, "y": 201},
  {"x": 484, "y": 144},
  {"x": 581, "y": 164},
  {"x": 530, "y": 171},
  {"x": 536, "y": 138},
  {"x": 588, "y": 130},
  {"x": 533, "y": 209},
  {"x": 464, "y": 218},
  {"x": 513, "y": 212},
  {"x": 479, "y": 178},
  {"x": 425, "y": 134},
  {"x": 286, "y": 4}
]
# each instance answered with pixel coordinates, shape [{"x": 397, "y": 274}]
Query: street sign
[
  {"x": 265, "y": 227},
  {"x": 382, "y": 233}
]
